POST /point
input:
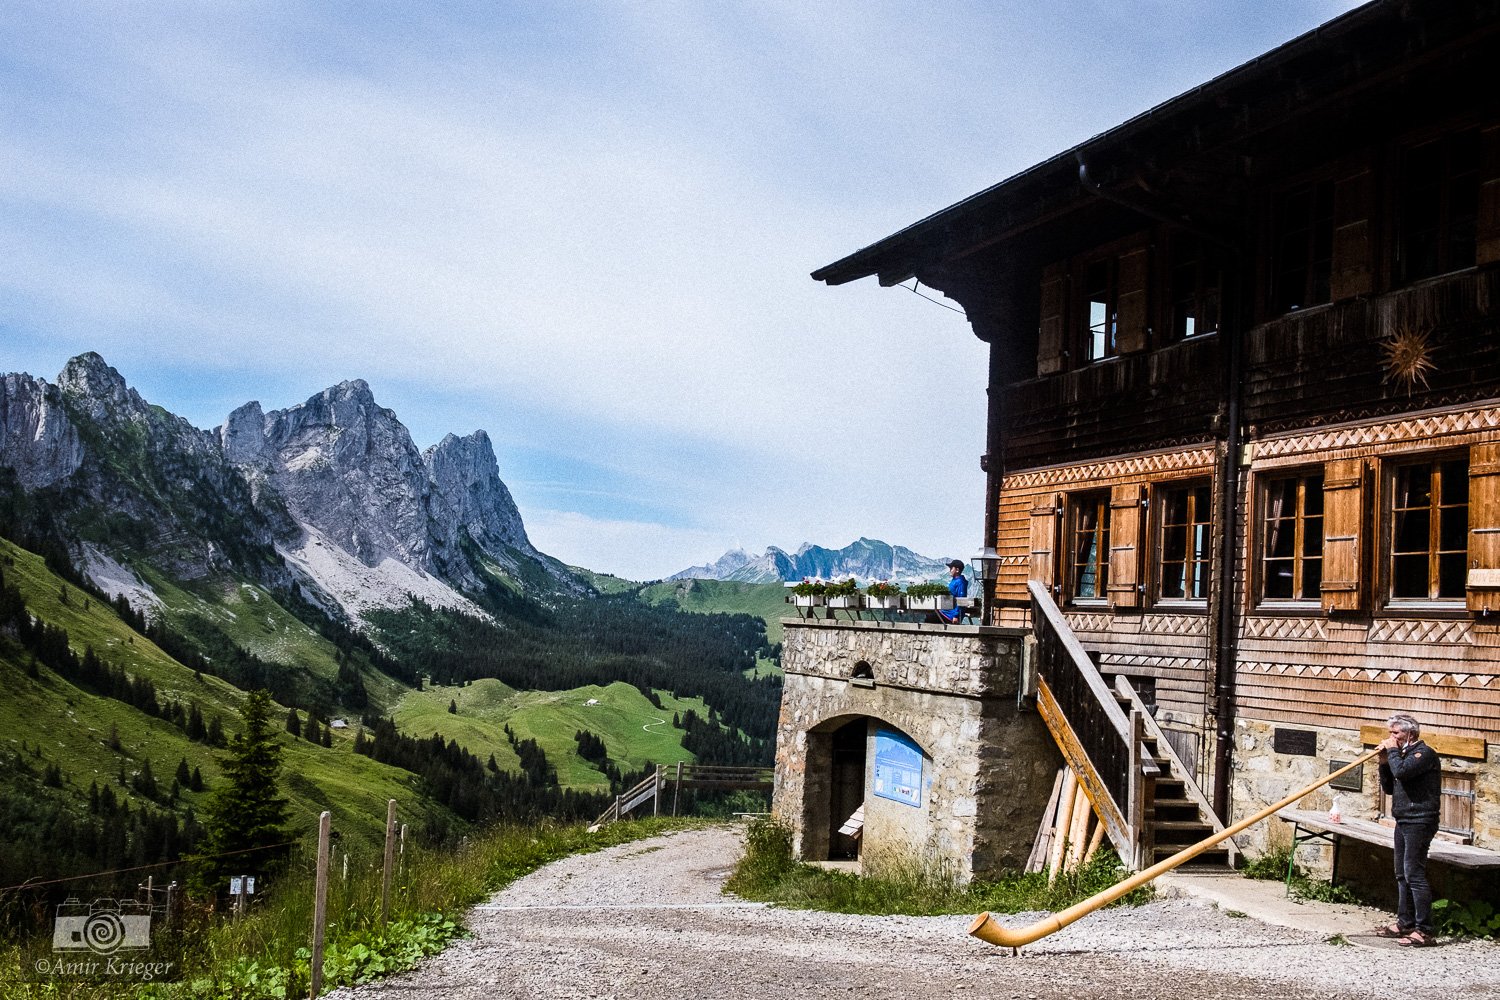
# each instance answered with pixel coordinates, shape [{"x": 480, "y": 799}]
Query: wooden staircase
[
  {"x": 1144, "y": 796},
  {"x": 1177, "y": 814}
]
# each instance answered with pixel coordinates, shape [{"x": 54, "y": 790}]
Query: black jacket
[{"x": 1412, "y": 777}]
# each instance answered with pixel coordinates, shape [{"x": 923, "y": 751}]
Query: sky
[{"x": 584, "y": 227}]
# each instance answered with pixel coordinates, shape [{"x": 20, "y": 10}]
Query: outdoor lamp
[{"x": 985, "y": 563}]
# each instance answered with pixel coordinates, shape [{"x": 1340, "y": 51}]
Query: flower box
[
  {"x": 891, "y": 603},
  {"x": 808, "y": 600},
  {"x": 941, "y": 602},
  {"x": 843, "y": 601}
]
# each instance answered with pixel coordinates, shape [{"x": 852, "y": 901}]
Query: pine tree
[
  {"x": 327, "y": 739},
  {"x": 215, "y": 737},
  {"x": 184, "y": 777},
  {"x": 197, "y": 783},
  {"x": 196, "y": 731},
  {"x": 452, "y": 707},
  {"x": 293, "y": 722},
  {"x": 246, "y": 812}
]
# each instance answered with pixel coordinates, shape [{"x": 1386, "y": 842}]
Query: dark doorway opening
[{"x": 847, "y": 787}]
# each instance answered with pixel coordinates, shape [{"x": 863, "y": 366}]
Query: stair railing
[
  {"x": 1164, "y": 748},
  {"x": 1103, "y": 746}
]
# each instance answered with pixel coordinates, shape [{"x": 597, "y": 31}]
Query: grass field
[
  {"x": 766, "y": 601},
  {"x": 633, "y": 730},
  {"x": 73, "y": 727}
]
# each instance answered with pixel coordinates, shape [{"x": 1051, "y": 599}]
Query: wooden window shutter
[
  {"x": 1484, "y": 528},
  {"x": 1353, "y": 252},
  {"x": 1487, "y": 237},
  {"x": 1132, "y": 300},
  {"x": 1343, "y": 534},
  {"x": 1126, "y": 540},
  {"x": 1044, "y": 518},
  {"x": 1050, "y": 336}
]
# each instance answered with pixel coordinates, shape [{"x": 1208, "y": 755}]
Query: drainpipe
[
  {"x": 1226, "y": 645},
  {"x": 1226, "y": 641}
]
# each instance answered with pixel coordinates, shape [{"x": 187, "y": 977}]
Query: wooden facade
[{"x": 1245, "y": 388}]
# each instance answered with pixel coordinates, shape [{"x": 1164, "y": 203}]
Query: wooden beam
[{"x": 1468, "y": 747}]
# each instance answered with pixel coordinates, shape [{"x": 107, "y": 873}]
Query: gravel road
[{"x": 649, "y": 920}]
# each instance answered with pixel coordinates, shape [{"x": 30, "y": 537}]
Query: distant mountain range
[
  {"x": 330, "y": 494},
  {"x": 865, "y": 559}
]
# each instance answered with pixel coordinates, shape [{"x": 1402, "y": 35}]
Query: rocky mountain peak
[
  {"x": 468, "y": 495},
  {"x": 96, "y": 388}
]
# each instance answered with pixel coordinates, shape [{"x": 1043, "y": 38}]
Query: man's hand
[{"x": 1389, "y": 743}]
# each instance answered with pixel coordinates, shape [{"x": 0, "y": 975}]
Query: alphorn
[{"x": 986, "y": 928}]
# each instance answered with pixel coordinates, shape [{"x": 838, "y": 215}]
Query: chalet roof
[{"x": 1267, "y": 91}]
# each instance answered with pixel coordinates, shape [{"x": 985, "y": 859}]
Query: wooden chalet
[{"x": 1244, "y": 415}]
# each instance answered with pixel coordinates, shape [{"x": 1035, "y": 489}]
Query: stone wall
[
  {"x": 1262, "y": 776},
  {"x": 987, "y": 769}
]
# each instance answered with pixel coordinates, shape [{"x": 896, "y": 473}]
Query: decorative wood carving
[
  {"x": 1197, "y": 459},
  {"x": 1420, "y": 428},
  {"x": 1286, "y": 628}
]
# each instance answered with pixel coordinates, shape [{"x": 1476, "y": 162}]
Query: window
[
  {"x": 1292, "y": 538},
  {"x": 1088, "y": 549},
  {"x": 1183, "y": 548},
  {"x": 1100, "y": 309},
  {"x": 1438, "y": 207},
  {"x": 1302, "y": 247},
  {"x": 1195, "y": 289},
  {"x": 1429, "y": 530},
  {"x": 1455, "y": 805}
]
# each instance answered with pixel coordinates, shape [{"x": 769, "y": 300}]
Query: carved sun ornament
[{"x": 1407, "y": 354}]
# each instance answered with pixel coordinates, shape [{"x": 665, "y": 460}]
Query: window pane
[
  {"x": 1455, "y": 485},
  {"x": 1312, "y": 536},
  {"x": 1409, "y": 576},
  {"x": 1454, "y": 529},
  {"x": 1451, "y": 567},
  {"x": 1412, "y": 531},
  {"x": 1279, "y": 579},
  {"x": 1312, "y": 579}
]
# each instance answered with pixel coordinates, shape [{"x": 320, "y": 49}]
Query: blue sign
[{"x": 898, "y": 768}]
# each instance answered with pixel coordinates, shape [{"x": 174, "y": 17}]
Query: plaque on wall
[
  {"x": 1297, "y": 742},
  {"x": 1354, "y": 781}
]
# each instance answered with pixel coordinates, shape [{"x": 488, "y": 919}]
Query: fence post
[
  {"x": 677, "y": 788},
  {"x": 320, "y": 904},
  {"x": 656, "y": 793},
  {"x": 390, "y": 862}
]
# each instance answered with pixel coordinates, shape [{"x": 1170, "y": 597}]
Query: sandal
[
  {"x": 1391, "y": 931},
  {"x": 1417, "y": 939}
]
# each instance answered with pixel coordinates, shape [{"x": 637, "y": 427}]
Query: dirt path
[{"x": 648, "y": 920}]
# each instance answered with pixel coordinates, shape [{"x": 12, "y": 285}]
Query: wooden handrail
[{"x": 1096, "y": 738}]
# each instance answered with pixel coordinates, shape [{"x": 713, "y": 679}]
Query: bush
[{"x": 1476, "y": 918}]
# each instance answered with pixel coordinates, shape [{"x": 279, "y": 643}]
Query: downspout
[
  {"x": 1226, "y": 643},
  {"x": 1226, "y": 646}
]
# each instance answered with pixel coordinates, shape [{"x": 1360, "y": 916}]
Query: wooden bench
[{"x": 1318, "y": 826}]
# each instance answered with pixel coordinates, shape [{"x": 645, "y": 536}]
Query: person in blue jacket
[
  {"x": 958, "y": 586},
  {"x": 1411, "y": 774}
]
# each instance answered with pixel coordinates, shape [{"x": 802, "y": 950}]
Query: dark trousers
[{"x": 1413, "y": 894}]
